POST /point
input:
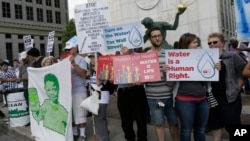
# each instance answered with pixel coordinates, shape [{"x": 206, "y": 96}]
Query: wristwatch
[{"x": 146, "y": 4}]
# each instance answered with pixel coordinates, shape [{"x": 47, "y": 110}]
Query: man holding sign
[
  {"x": 159, "y": 93},
  {"x": 131, "y": 103}
]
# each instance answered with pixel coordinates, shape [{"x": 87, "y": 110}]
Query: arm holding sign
[{"x": 80, "y": 71}]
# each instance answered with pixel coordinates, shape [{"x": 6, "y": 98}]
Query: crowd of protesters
[{"x": 185, "y": 104}]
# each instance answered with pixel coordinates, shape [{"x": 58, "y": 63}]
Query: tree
[{"x": 69, "y": 32}]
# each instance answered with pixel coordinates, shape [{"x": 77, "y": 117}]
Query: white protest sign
[
  {"x": 129, "y": 35},
  {"x": 90, "y": 20},
  {"x": 28, "y": 43},
  {"x": 50, "y": 41},
  {"x": 192, "y": 64}
]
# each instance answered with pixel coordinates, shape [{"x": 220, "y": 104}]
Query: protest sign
[
  {"x": 50, "y": 41},
  {"x": 242, "y": 14},
  {"x": 143, "y": 67},
  {"x": 28, "y": 43},
  {"x": 192, "y": 64},
  {"x": 129, "y": 35},
  {"x": 105, "y": 69},
  {"x": 90, "y": 20},
  {"x": 51, "y": 102}
]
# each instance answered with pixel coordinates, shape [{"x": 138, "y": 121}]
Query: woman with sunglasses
[
  {"x": 227, "y": 90},
  {"x": 190, "y": 99}
]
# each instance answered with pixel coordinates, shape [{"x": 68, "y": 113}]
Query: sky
[{"x": 71, "y": 5}]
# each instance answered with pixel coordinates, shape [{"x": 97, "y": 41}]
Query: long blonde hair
[{"x": 45, "y": 59}]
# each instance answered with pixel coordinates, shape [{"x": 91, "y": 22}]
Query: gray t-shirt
[
  {"x": 78, "y": 82},
  {"x": 192, "y": 88}
]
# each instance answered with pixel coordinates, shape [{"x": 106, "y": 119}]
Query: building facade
[
  {"x": 201, "y": 16},
  {"x": 31, "y": 17}
]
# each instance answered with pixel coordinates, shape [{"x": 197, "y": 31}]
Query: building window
[
  {"x": 58, "y": 17},
  {"x": 42, "y": 49},
  {"x": 49, "y": 16},
  {"x": 59, "y": 48},
  {"x": 8, "y": 36},
  {"x": 57, "y": 3},
  {"x": 18, "y": 11},
  {"x": 20, "y": 47},
  {"x": 39, "y": 2},
  {"x": 9, "y": 53},
  {"x": 29, "y": 13},
  {"x": 28, "y": 0},
  {"x": 39, "y": 14},
  {"x": 41, "y": 38},
  {"x": 59, "y": 38},
  {"x": 6, "y": 9},
  {"x": 48, "y": 2},
  {"x": 20, "y": 36}
]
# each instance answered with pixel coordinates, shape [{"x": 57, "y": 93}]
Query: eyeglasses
[
  {"x": 67, "y": 50},
  {"x": 156, "y": 36},
  {"x": 214, "y": 42}
]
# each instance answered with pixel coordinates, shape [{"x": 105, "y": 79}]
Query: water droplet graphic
[
  {"x": 135, "y": 38},
  {"x": 206, "y": 66}
]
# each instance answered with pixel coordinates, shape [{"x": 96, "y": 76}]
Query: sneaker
[
  {"x": 7, "y": 123},
  {"x": 82, "y": 138}
]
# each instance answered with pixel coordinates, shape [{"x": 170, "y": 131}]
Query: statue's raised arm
[{"x": 163, "y": 26}]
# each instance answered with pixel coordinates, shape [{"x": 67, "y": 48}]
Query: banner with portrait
[{"x": 51, "y": 102}]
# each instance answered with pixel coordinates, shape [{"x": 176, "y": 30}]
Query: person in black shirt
[{"x": 34, "y": 55}]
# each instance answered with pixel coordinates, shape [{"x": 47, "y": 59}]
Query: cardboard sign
[
  {"x": 90, "y": 20},
  {"x": 129, "y": 35},
  {"x": 28, "y": 42},
  {"x": 143, "y": 67},
  {"x": 105, "y": 69},
  {"x": 50, "y": 41},
  {"x": 192, "y": 64}
]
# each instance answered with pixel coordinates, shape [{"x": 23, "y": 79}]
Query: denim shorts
[{"x": 158, "y": 113}]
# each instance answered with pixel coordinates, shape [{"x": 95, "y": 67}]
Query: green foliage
[{"x": 69, "y": 32}]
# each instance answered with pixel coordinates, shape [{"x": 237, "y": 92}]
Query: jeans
[
  {"x": 192, "y": 115},
  {"x": 101, "y": 125},
  {"x": 159, "y": 114}
]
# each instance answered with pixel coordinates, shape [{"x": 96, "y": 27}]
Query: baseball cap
[
  {"x": 70, "y": 45},
  {"x": 5, "y": 62}
]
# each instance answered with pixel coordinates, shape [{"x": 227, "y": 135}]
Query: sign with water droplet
[
  {"x": 192, "y": 64},
  {"x": 129, "y": 35}
]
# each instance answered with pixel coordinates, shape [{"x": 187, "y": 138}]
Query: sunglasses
[
  {"x": 214, "y": 42},
  {"x": 67, "y": 50}
]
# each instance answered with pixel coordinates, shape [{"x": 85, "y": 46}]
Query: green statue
[
  {"x": 149, "y": 23},
  {"x": 53, "y": 114}
]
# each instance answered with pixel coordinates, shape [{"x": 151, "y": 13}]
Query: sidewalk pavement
[{"x": 114, "y": 125}]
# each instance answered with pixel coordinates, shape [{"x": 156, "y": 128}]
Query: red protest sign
[
  {"x": 105, "y": 67},
  {"x": 143, "y": 67}
]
